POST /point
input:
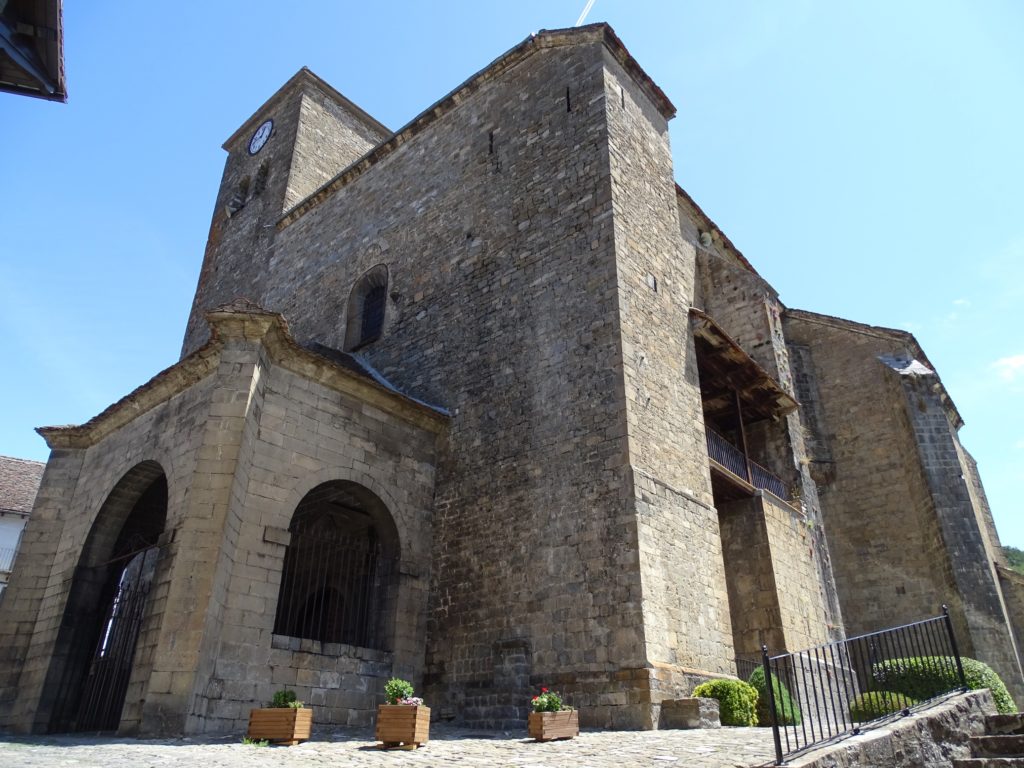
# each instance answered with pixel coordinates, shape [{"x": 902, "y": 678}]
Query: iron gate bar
[
  {"x": 335, "y": 588},
  {"x": 109, "y": 673}
]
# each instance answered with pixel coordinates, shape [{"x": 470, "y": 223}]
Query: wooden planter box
[
  {"x": 280, "y": 725},
  {"x": 403, "y": 725},
  {"x": 546, "y": 726}
]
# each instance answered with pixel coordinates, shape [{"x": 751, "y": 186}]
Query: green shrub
[
  {"x": 875, "y": 704},
  {"x": 395, "y": 690},
  {"x": 789, "y": 712},
  {"x": 923, "y": 677},
  {"x": 737, "y": 701},
  {"x": 285, "y": 698}
]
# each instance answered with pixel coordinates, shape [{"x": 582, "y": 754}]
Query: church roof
[{"x": 19, "y": 481}]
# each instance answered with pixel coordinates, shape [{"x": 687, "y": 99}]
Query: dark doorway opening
[{"x": 92, "y": 662}]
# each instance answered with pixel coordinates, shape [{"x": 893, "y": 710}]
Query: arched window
[
  {"x": 337, "y": 585},
  {"x": 367, "y": 305}
]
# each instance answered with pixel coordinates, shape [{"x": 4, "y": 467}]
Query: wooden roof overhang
[
  {"x": 32, "y": 49},
  {"x": 728, "y": 374}
]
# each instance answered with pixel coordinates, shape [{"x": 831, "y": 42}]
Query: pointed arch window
[{"x": 367, "y": 307}]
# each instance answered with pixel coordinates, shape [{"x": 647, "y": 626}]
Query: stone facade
[
  {"x": 474, "y": 342},
  {"x": 907, "y": 518}
]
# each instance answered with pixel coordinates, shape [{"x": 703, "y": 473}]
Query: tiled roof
[{"x": 19, "y": 481}]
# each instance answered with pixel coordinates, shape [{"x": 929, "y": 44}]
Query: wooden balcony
[{"x": 740, "y": 471}]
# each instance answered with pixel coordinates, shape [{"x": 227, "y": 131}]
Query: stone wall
[
  {"x": 332, "y": 134},
  {"x": 883, "y": 580},
  {"x": 686, "y": 614},
  {"x": 749, "y": 311},
  {"x": 930, "y": 738},
  {"x": 775, "y": 593},
  {"x": 963, "y": 530},
  {"x": 1012, "y": 584}
]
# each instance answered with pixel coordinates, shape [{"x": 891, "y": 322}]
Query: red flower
[
  {"x": 543, "y": 690},
  {"x": 535, "y": 698}
]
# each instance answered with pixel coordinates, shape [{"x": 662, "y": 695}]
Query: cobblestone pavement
[{"x": 719, "y": 748}]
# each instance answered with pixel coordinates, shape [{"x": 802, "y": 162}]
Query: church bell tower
[{"x": 303, "y": 136}]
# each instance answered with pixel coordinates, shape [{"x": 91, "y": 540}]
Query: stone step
[
  {"x": 989, "y": 762},
  {"x": 1002, "y": 724},
  {"x": 998, "y": 746}
]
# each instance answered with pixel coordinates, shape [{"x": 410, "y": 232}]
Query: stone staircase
[{"x": 1002, "y": 744}]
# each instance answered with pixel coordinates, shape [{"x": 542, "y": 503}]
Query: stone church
[{"x": 488, "y": 403}]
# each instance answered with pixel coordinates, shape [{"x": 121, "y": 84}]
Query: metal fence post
[
  {"x": 771, "y": 703},
  {"x": 956, "y": 650}
]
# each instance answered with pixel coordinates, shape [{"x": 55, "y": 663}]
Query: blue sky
[{"x": 865, "y": 156}]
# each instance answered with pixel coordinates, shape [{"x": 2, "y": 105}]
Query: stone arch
[
  {"x": 92, "y": 662},
  {"x": 396, "y": 511},
  {"x": 367, "y": 308},
  {"x": 339, "y": 577}
]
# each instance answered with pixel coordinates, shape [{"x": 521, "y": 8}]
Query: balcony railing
[{"x": 732, "y": 459}]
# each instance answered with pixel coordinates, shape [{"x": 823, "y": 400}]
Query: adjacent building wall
[{"x": 19, "y": 482}]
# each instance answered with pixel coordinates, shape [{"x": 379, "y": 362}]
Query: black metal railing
[
  {"x": 833, "y": 690},
  {"x": 731, "y": 458},
  {"x": 745, "y": 666}
]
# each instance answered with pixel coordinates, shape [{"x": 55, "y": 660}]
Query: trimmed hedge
[
  {"x": 875, "y": 704},
  {"x": 923, "y": 677},
  {"x": 789, "y": 711},
  {"x": 737, "y": 701}
]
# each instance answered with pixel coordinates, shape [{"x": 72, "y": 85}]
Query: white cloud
[
  {"x": 961, "y": 303},
  {"x": 1010, "y": 368}
]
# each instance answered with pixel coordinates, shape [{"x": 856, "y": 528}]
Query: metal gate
[{"x": 106, "y": 683}]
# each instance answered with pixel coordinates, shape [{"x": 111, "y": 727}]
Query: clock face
[{"x": 260, "y": 137}]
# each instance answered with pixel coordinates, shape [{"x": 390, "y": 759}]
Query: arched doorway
[
  {"x": 339, "y": 576},
  {"x": 92, "y": 662}
]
